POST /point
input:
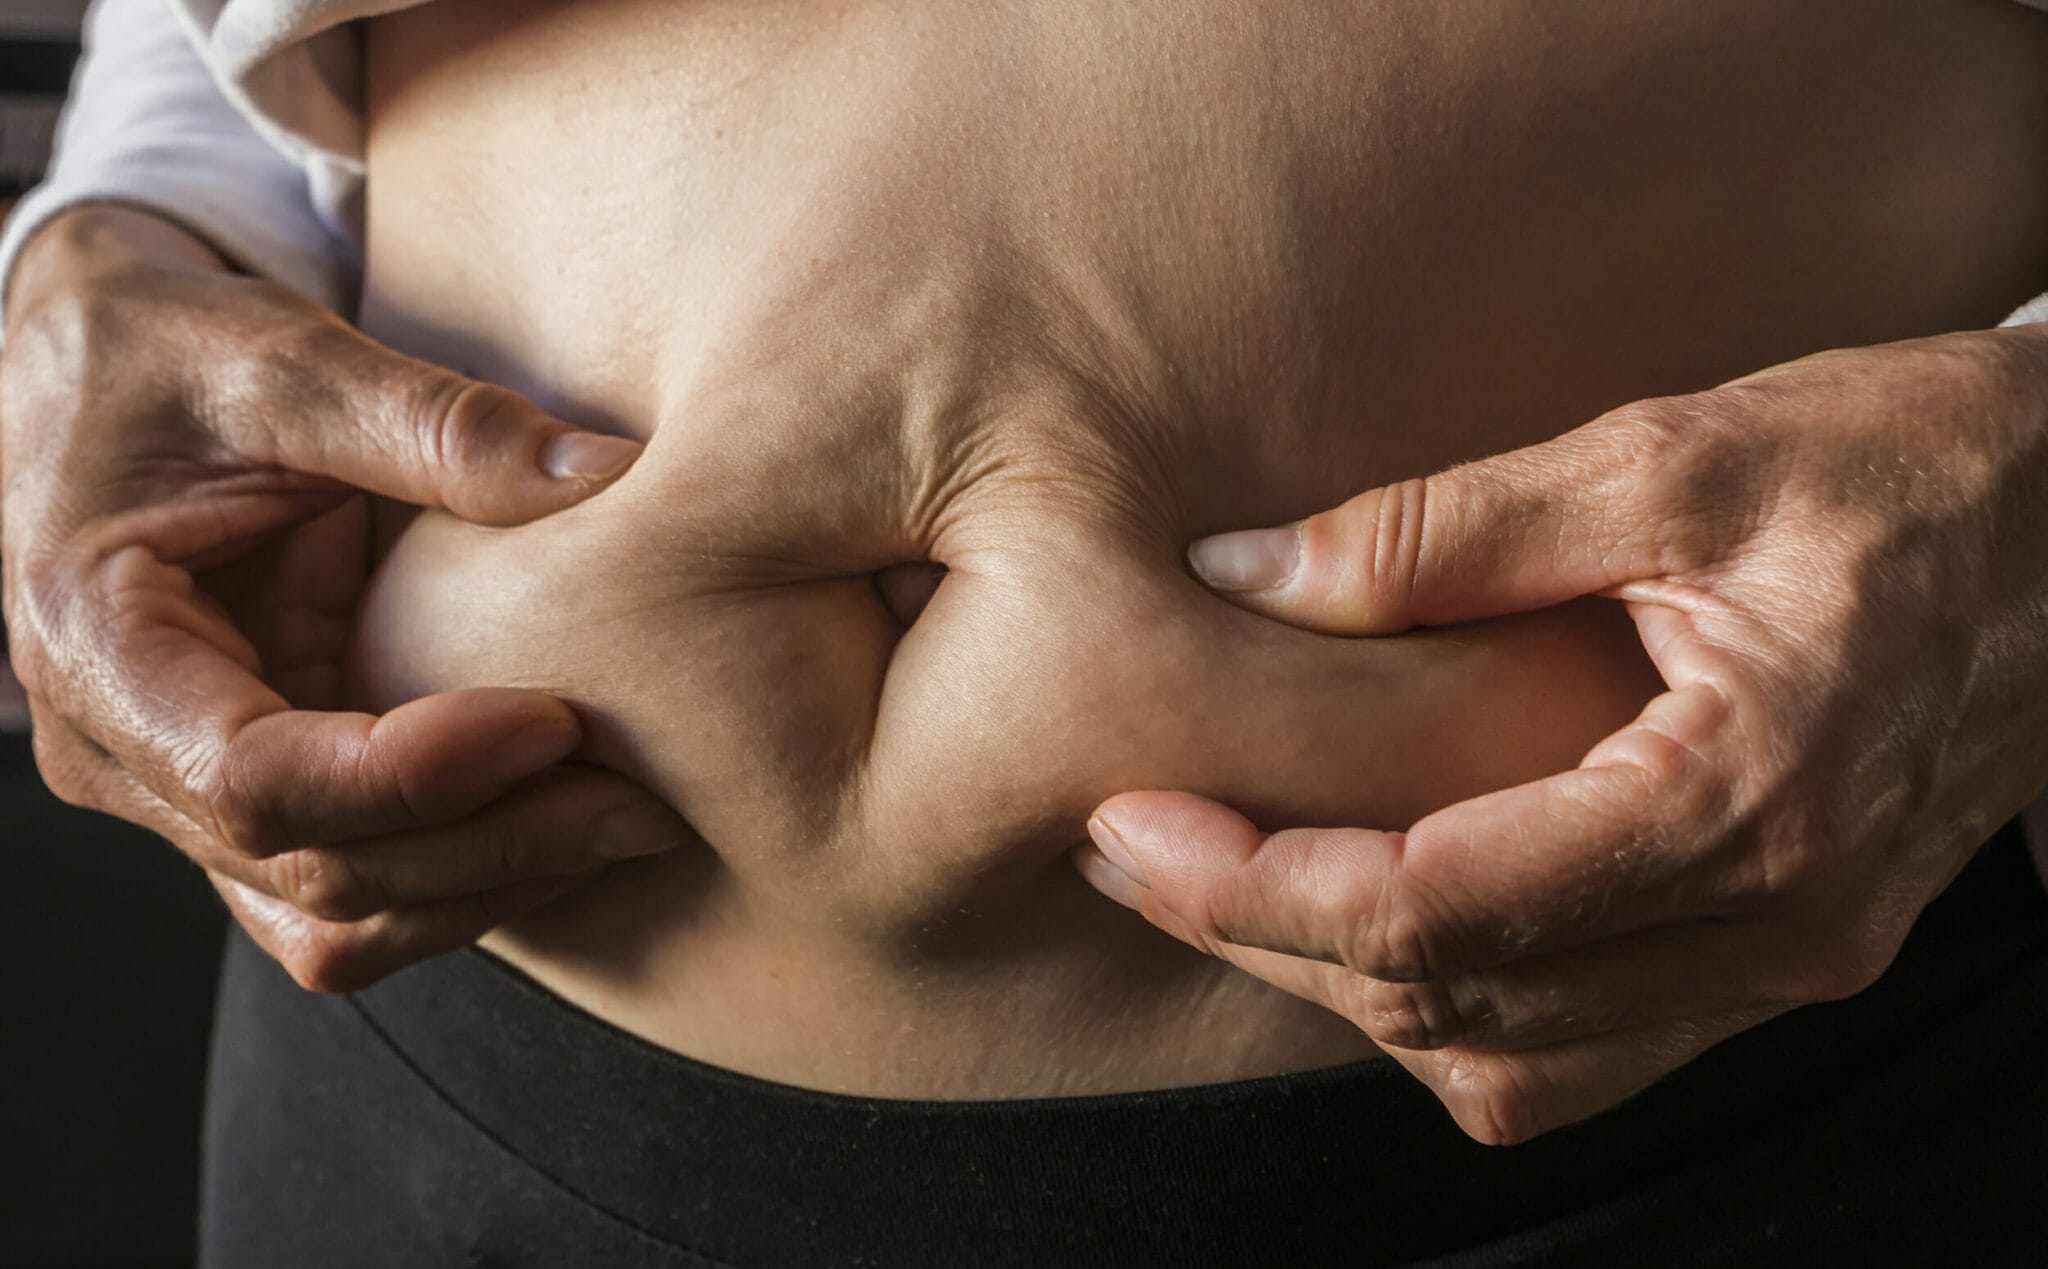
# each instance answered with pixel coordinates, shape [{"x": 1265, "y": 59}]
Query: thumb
[
  {"x": 350, "y": 409},
  {"x": 1523, "y": 530}
]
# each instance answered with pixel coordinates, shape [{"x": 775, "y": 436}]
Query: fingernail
[
  {"x": 1254, "y": 559},
  {"x": 633, "y": 831},
  {"x": 535, "y": 746},
  {"x": 587, "y": 456},
  {"x": 1112, "y": 846},
  {"x": 1107, "y": 878}
]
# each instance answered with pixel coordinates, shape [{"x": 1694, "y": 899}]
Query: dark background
[
  {"x": 109, "y": 942},
  {"x": 108, "y": 938}
]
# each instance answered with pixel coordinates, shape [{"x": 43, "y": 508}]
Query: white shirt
[{"x": 175, "y": 107}]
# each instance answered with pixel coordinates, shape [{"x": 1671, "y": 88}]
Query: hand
[
  {"x": 185, "y": 548},
  {"x": 1840, "y": 567}
]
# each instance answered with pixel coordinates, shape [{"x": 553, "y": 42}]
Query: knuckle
[
  {"x": 1214, "y": 911},
  {"x": 1652, "y": 434},
  {"x": 1784, "y": 866},
  {"x": 1367, "y": 553},
  {"x": 1414, "y": 1015},
  {"x": 1492, "y": 1098},
  {"x": 324, "y": 885},
  {"x": 1803, "y": 838},
  {"x": 1768, "y": 855},
  {"x": 238, "y": 818},
  {"x": 1686, "y": 786},
  {"x": 1398, "y": 936},
  {"x": 332, "y": 963},
  {"x": 457, "y": 422},
  {"x": 1682, "y": 459},
  {"x": 1396, "y": 945},
  {"x": 68, "y": 329},
  {"x": 233, "y": 791},
  {"x": 1207, "y": 942},
  {"x": 1669, "y": 764}
]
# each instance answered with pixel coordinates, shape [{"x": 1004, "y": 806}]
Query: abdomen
[{"x": 1040, "y": 292}]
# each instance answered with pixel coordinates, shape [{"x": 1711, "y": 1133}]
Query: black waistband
[{"x": 1352, "y": 1165}]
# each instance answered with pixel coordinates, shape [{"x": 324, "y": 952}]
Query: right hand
[{"x": 181, "y": 450}]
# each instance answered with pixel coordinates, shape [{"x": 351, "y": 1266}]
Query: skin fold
[{"x": 1036, "y": 294}]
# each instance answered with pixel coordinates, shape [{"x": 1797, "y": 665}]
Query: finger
[
  {"x": 561, "y": 823},
  {"x": 333, "y": 403},
  {"x": 335, "y": 957},
  {"x": 1659, "y": 976},
  {"x": 297, "y": 778},
  {"x": 1599, "y": 506},
  {"x": 1497, "y": 1097},
  {"x": 1565, "y": 861},
  {"x": 174, "y": 696},
  {"x": 1504, "y": 1099}
]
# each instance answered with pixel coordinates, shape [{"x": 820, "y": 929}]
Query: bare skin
[
  {"x": 185, "y": 552},
  {"x": 1039, "y": 295}
]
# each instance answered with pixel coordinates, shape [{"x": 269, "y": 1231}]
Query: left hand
[{"x": 1840, "y": 567}]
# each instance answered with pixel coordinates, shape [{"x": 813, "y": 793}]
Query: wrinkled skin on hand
[
  {"x": 1837, "y": 566},
  {"x": 185, "y": 547}
]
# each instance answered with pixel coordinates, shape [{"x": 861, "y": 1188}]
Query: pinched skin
[{"x": 1040, "y": 292}]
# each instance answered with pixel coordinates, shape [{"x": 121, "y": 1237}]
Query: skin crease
[{"x": 1040, "y": 293}]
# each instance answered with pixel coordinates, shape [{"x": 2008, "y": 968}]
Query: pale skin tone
[
  {"x": 838, "y": 378},
  {"x": 861, "y": 332},
  {"x": 729, "y": 593}
]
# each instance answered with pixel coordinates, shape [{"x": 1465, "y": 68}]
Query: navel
[{"x": 907, "y": 587}]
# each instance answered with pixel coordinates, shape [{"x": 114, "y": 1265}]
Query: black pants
[{"x": 459, "y": 1115}]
